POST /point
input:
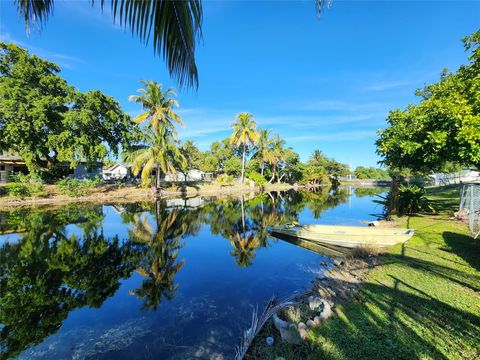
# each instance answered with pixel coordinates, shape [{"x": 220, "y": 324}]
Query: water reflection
[{"x": 60, "y": 259}]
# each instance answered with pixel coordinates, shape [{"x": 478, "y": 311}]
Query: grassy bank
[{"x": 422, "y": 301}]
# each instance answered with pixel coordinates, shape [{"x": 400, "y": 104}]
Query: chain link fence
[{"x": 470, "y": 207}]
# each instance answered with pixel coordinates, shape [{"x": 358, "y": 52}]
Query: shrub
[
  {"x": 257, "y": 178},
  {"x": 408, "y": 199},
  {"x": 225, "y": 180},
  {"x": 24, "y": 186},
  {"x": 17, "y": 189},
  {"x": 72, "y": 187}
]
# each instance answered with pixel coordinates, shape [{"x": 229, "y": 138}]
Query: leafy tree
[
  {"x": 244, "y": 135},
  {"x": 192, "y": 156},
  {"x": 159, "y": 153},
  {"x": 173, "y": 26},
  {"x": 362, "y": 172},
  {"x": 47, "y": 122},
  {"x": 214, "y": 159},
  {"x": 443, "y": 127},
  {"x": 158, "y": 105},
  {"x": 45, "y": 274}
]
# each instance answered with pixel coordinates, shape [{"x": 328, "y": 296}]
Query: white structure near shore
[{"x": 461, "y": 177}]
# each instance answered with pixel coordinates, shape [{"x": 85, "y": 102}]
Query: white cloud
[
  {"x": 63, "y": 60},
  {"x": 332, "y": 137}
]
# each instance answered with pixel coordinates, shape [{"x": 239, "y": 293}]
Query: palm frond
[
  {"x": 174, "y": 27},
  {"x": 35, "y": 12}
]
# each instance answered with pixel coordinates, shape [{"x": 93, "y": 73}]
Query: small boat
[{"x": 345, "y": 236}]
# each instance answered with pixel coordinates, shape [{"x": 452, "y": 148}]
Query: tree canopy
[
  {"x": 47, "y": 121},
  {"x": 443, "y": 127}
]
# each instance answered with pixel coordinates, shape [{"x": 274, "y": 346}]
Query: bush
[
  {"x": 72, "y": 187},
  {"x": 225, "y": 180},
  {"x": 76, "y": 188},
  {"x": 257, "y": 178},
  {"x": 17, "y": 189},
  {"x": 408, "y": 199},
  {"x": 24, "y": 186}
]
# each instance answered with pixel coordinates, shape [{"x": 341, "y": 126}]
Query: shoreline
[
  {"x": 436, "y": 273},
  {"x": 108, "y": 193}
]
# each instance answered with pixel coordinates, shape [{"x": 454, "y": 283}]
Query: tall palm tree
[
  {"x": 244, "y": 135},
  {"x": 278, "y": 155},
  {"x": 264, "y": 148},
  {"x": 173, "y": 26},
  {"x": 160, "y": 154},
  {"x": 158, "y": 105}
]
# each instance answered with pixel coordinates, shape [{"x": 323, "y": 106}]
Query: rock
[
  {"x": 314, "y": 302},
  {"x": 316, "y": 320},
  {"x": 338, "y": 261},
  {"x": 288, "y": 331},
  {"x": 270, "y": 341},
  {"x": 326, "y": 311},
  {"x": 302, "y": 326},
  {"x": 303, "y": 333},
  {"x": 310, "y": 323}
]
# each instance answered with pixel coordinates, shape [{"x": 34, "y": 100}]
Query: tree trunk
[
  {"x": 273, "y": 174},
  {"x": 157, "y": 179},
  {"x": 243, "y": 164},
  {"x": 262, "y": 167}
]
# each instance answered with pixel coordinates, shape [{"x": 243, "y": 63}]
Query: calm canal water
[{"x": 177, "y": 279}]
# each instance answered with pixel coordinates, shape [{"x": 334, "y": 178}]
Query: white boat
[{"x": 346, "y": 236}]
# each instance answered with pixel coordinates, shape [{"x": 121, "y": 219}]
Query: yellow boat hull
[{"x": 346, "y": 236}]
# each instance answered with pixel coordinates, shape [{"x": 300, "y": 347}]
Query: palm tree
[
  {"x": 160, "y": 265},
  {"x": 160, "y": 154},
  {"x": 192, "y": 156},
  {"x": 278, "y": 155},
  {"x": 264, "y": 148},
  {"x": 244, "y": 134},
  {"x": 173, "y": 26},
  {"x": 158, "y": 105}
]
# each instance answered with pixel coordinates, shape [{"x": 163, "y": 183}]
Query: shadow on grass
[
  {"x": 464, "y": 246},
  {"x": 385, "y": 322}
]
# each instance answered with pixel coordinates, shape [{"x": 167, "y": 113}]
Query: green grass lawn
[{"x": 421, "y": 302}]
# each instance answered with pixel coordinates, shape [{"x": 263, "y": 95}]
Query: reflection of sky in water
[{"x": 213, "y": 303}]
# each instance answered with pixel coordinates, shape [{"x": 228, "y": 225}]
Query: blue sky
[{"x": 323, "y": 83}]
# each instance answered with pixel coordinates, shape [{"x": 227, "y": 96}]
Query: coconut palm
[
  {"x": 160, "y": 154},
  {"x": 160, "y": 265},
  {"x": 173, "y": 27},
  {"x": 244, "y": 135},
  {"x": 278, "y": 155},
  {"x": 264, "y": 148},
  {"x": 158, "y": 105}
]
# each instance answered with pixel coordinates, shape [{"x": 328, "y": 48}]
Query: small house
[{"x": 117, "y": 172}]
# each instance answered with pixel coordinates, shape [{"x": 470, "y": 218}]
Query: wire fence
[{"x": 470, "y": 207}]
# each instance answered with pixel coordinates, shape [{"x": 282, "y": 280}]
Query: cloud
[
  {"x": 332, "y": 137},
  {"x": 388, "y": 85},
  {"x": 63, "y": 60},
  {"x": 338, "y": 106}
]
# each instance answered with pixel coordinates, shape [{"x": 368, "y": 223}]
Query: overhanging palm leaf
[{"x": 174, "y": 25}]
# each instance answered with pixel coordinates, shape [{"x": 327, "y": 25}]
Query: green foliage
[
  {"x": 77, "y": 188},
  {"x": 21, "y": 185},
  {"x": 47, "y": 122},
  {"x": 233, "y": 166},
  {"x": 225, "y": 180},
  {"x": 407, "y": 200},
  {"x": 329, "y": 166},
  {"x": 173, "y": 27},
  {"x": 371, "y": 173},
  {"x": 257, "y": 178},
  {"x": 443, "y": 127}
]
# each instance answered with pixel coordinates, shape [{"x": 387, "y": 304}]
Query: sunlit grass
[{"x": 421, "y": 302}]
